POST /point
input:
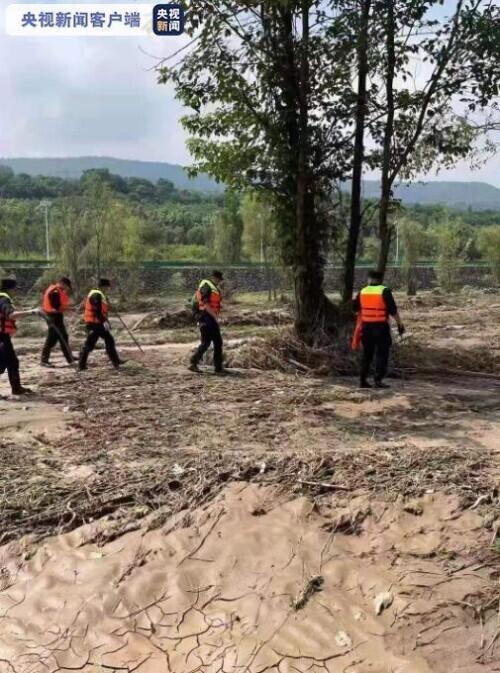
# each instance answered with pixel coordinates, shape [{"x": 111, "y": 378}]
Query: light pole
[
  {"x": 261, "y": 239},
  {"x": 46, "y": 205},
  {"x": 397, "y": 243}
]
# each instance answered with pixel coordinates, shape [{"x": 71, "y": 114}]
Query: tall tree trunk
[
  {"x": 357, "y": 171},
  {"x": 309, "y": 275},
  {"x": 305, "y": 254},
  {"x": 384, "y": 227}
]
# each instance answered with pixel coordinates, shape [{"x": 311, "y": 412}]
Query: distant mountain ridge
[
  {"x": 459, "y": 195},
  {"x": 73, "y": 167}
]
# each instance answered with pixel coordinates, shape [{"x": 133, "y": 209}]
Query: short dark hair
[
  {"x": 376, "y": 275},
  {"x": 217, "y": 274},
  {"x": 65, "y": 280},
  {"x": 9, "y": 283},
  {"x": 104, "y": 282}
]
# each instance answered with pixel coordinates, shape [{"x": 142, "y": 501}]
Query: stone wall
[{"x": 247, "y": 279}]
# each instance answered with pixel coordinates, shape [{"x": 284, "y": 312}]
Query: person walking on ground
[
  {"x": 96, "y": 313},
  {"x": 56, "y": 302},
  {"x": 374, "y": 305},
  {"x": 8, "y": 317},
  {"x": 208, "y": 305}
]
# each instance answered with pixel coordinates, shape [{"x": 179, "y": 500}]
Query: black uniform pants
[
  {"x": 377, "y": 341},
  {"x": 94, "y": 333},
  {"x": 9, "y": 362},
  {"x": 57, "y": 334},
  {"x": 210, "y": 334}
]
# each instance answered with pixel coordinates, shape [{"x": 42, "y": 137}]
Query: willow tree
[{"x": 268, "y": 86}]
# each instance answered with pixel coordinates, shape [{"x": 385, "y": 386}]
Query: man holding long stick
[
  {"x": 56, "y": 302},
  {"x": 8, "y": 327},
  {"x": 96, "y": 314}
]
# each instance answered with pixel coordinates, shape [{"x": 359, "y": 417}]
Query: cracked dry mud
[{"x": 161, "y": 522}]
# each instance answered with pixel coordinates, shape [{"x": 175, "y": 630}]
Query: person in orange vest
[
  {"x": 208, "y": 304},
  {"x": 56, "y": 302},
  {"x": 375, "y": 305},
  {"x": 96, "y": 318},
  {"x": 8, "y": 317}
]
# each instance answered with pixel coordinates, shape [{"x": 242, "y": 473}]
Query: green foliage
[
  {"x": 228, "y": 231},
  {"x": 260, "y": 236},
  {"x": 415, "y": 244},
  {"x": 178, "y": 253},
  {"x": 74, "y": 167},
  {"x": 265, "y": 92},
  {"x": 71, "y": 236},
  {"x": 105, "y": 221},
  {"x": 139, "y": 190},
  {"x": 21, "y": 228},
  {"x": 451, "y": 254},
  {"x": 260, "y": 240},
  {"x": 489, "y": 245}
]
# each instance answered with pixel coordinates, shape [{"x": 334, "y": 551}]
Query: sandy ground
[{"x": 159, "y": 521}]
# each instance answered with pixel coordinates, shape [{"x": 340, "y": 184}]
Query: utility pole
[
  {"x": 261, "y": 239},
  {"x": 46, "y": 205},
  {"x": 397, "y": 243}
]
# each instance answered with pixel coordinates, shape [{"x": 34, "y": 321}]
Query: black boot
[
  {"x": 194, "y": 362},
  {"x": 82, "y": 361},
  {"x": 364, "y": 384},
  {"x": 16, "y": 387}
]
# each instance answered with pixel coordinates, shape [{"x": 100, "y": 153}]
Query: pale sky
[{"x": 72, "y": 96}]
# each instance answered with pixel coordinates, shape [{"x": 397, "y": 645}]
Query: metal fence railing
[{"x": 149, "y": 264}]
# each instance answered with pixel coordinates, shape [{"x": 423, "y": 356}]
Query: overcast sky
[{"x": 71, "y": 96}]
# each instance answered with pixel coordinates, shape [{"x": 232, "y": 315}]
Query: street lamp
[
  {"x": 46, "y": 205},
  {"x": 392, "y": 215}
]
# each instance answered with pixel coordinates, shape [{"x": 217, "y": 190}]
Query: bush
[
  {"x": 451, "y": 256},
  {"x": 177, "y": 281},
  {"x": 489, "y": 245}
]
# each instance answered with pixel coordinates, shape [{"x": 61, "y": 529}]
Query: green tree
[
  {"x": 102, "y": 248},
  {"x": 21, "y": 228},
  {"x": 228, "y": 231},
  {"x": 489, "y": 245},
  {"x": 269, "y": 87},
  {"x": 414, "y": 243},
  {"x": 72, "y": 236},
  {"x": 451, "y": 254},
  {"x": 259, "y": 235}
]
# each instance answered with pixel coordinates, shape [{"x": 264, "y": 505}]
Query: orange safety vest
[
  {"x": 7, "y": 325},
  {"x": 373, "y": 308},
  {"x": 89, "y": 313},
  {"x": 215, "y": 301},
  {"x": 65, "y": 302}
]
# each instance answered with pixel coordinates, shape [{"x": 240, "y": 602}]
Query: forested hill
[
  {"x": 73, "y": 167},
  {"x": 459, "y": 195}
]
